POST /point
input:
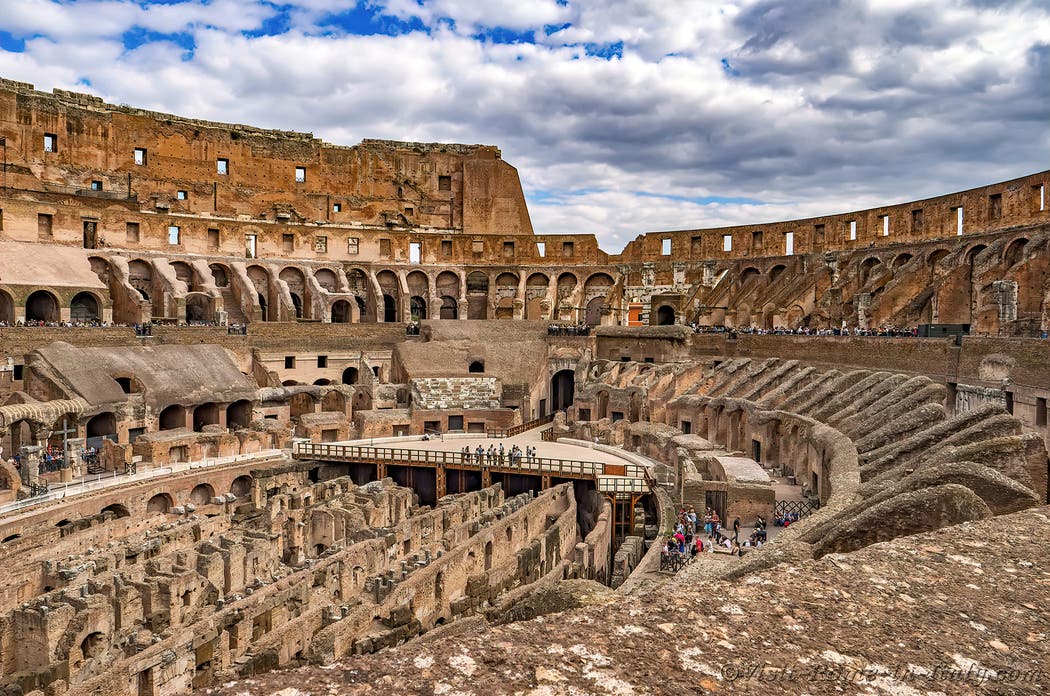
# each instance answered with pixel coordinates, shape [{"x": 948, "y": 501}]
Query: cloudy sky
[{"x": 622, "y": 116}]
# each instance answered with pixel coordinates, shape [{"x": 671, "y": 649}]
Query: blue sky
[{"x": 622, "y": 117}]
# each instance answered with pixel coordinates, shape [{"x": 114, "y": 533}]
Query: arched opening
[
  {"x": 239, "y": 415},
  {"x": 83, "y": 309},
  {"x": 477, "y": 366},
  {"x": 327, "y": 279},
  {"x": 867, "y": 267},
  {"x": 389, "y": 308},
  {"x": 601, "y": 405},
  {"x": 128, "y": 385},
  {"x": 934, "y": 258},
  {"x": 7, "y": 308},
  {"x": 972, "y": 253},
  {"x": 10, "y": 537},
  {"x": 901, "y": 260},
  {"x": 334, "y": 401},
  {"x": 117, "y": 509},
  {"x": 202, "y": 494},
  {"x": 1014, "y": 252},
  {"x": 362, "y": 401},
  {"x": 160, "y": 503},
  {"x": 300, "y": 404},
  {"x": 262, "y": 308},
  {"x": 322, "y": 382},
  {"x": 505, "y": 308},
  {"x": 563, "y": 389},
  {"x": 350, "y": 375},
  {"x": 439, "y": 586},
  {"x": 477, "y": 295},
  {"x": 297, "y": 304},
  {"x": 198, "y": 308},
  {"x": 776, "y": 271},
  {"x": 294, "y": 279},
  {"x": 488, "y": 555},
  {"x": 93, "y": 645},
  {"x": 219, "y": 275},
  {"x": 341, "y": 312},
  {"x": 449, "y": 308},
  {"x": 42, "y": 306},
  {"x": 241, "y": 486},
  {"x": 173, "y": 417},
  {"x": 204, "y": 415},
  {"x": 665, "y": 315},
  {"x": 747, "y": 274},
  {"x": 102, "y": 425},
  {"x": 418, "y": 308},
  {"x": 183, "y": 273}
]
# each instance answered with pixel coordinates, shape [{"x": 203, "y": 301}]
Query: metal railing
[{"x": 520, "y": 428}]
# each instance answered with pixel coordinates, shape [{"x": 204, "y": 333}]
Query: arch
[
  {"x": 341, "y": 312},
  {"x": 665, "y": 315},
  {"x": 601, "y": 405},
  {"x": 117, "y": 509},
  {"x": 449, "y": 308},
  {"x": 350, "y": 375},
  {"x": 362, "y": 401},
  {"x": 220, "y": 275},
  {"x": 567, "y": 283},
  {"x": 418, "y": 283},
  {"x": 322, "y": 382},
  {"x": 102, "y": 425},
  {"x": 299, "y": 404},
  {"x": 477, "y": 295},
  {"x": 477, "y": 366},
  {"x": 7, "y": 307},
  {"x": 505, "y": 308},
  {"x": 538, "y": 282},
  {"x": 488, "y": 555},
  {"x": 563, "y": 389},
  {"x": 297, "y": 305},
  {"x": 973, "y": 251},
  {"x": 204, "y": 415},
  {"x": 390, "y": 288},
  {"x": 160, "y": 503},
  {"x": 242, "y": 486},
  {"x": 10, "y": 537},
  {"x": 239, "y": 414},
  {"x": 364, "y": 296},
  {"x": 262, "y": 307},
  {"x": 867, "y": 266},
  {"x": 418, "y": 308},
  {"x": 776, "y": 271},
  {"x": 901, "y": 259},
  {"x": 327, "y": 279},
  {"x": 593, "y": 311},
  {"x": 140, "y": 277},
  {"x": 334, "y": 401},
  {"x": 507, "y": 282},
  {"x": 93, "y": 645},
  {"x": 748, "y": 273},
  {"x": 289, "y": 383},
  {"x": 202, "y": 494},
  {"x": 42, "y": 306},
  {"x": 172, "y": 418},
  {"x": 1014, "y": 251},
  {"x": 534, "y": 309},
  {"x": 934, "y": 257},
  {"x": 199, "y": 307},
  {"x": 83, "y": 308}
]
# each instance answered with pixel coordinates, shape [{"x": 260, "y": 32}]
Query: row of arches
[
  {"x": 45, "y": 306},
  {"x": 238, "y": 416}
]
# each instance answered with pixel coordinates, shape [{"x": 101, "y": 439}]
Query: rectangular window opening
[
  {"x": 1040, "y": 412},
  {"x": 337, "y": 207},
  {"x": 50, "y": 142},
  {"x": 665, "y": 246},
  {"x": 756, "y": 240},
  {"x": 44, "y": 226},
  {"x": 322, "y": 361},
  {"x": 415, "y": 252},
  {"x": 213, "y": 237},
  {"x": 695, "y": 246},
  {"x": 321, "y": 244},
  {"x": 446, "y": 248},
  {"x": 300, "y": 175},
  {"x": 140, "y": 156},
  {"x": 541, "y": 249},
  {"x": 173, "y": 234},
  {"x": 132, "y": 232},
  {"x": 353, "y": 245},
  {"x": 916, "y": 220},
  {"x": 957, "y": 213},
  {"x": 818, "y": 236},
  {"x": 385, "y": 248},
  {"x": 568, "y": 249},
  {"x": 96, "y": 185},
  {"x": 444, "y": 183},
  {"x": 853, "y": 230},
  {"x": 251, "y": 246},
  {"x": 885, "y": 225},
  {"x": 181, "y": 195},
  {"x": 508, "y": 250},
  {"x": 288, "y": 242},
  {"x": 789, "y": 243},
  {"x": 289, "y": 362},
  {"x": 995, "y": 206},
  {"x": 222, "y": 166},
  {"x": 727, "y": 242}
]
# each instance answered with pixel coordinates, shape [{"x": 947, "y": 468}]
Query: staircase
[{"x": 234, "y": 314}]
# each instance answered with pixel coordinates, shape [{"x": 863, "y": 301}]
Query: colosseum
[{"x": 279, "y": 416}]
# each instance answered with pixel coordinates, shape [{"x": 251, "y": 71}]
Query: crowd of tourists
[
  {"x": 694, "y": 535},
  {"x": 568, "y": 330},
  {"x": 498, "y": 456},
  {"x": 886, "y": 331}
]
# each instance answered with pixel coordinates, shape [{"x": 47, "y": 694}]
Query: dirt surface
[{"x": 962, "y": 610}]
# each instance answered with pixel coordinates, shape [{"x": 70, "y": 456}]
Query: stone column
[
  {"x": 1006, "y": 298},
  {"x": 519, "y": 298}
]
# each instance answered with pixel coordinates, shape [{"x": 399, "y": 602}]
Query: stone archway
[
  {"x": 665, "y": 315},
  {"x": 42, "y": 306},
  {"x": 563, "y": 390}
]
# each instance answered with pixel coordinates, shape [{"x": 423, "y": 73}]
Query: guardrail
[
  {"x": 539, "y": 465},
  {"x": 520, "y": 428}
]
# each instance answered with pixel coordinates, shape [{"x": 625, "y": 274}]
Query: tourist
[{"x": 736, "y": 528}]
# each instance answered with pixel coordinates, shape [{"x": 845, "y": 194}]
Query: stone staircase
[{"x": 234, "y": 314}]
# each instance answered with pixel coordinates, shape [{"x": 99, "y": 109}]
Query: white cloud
[{"x": 819, "y": 107}]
